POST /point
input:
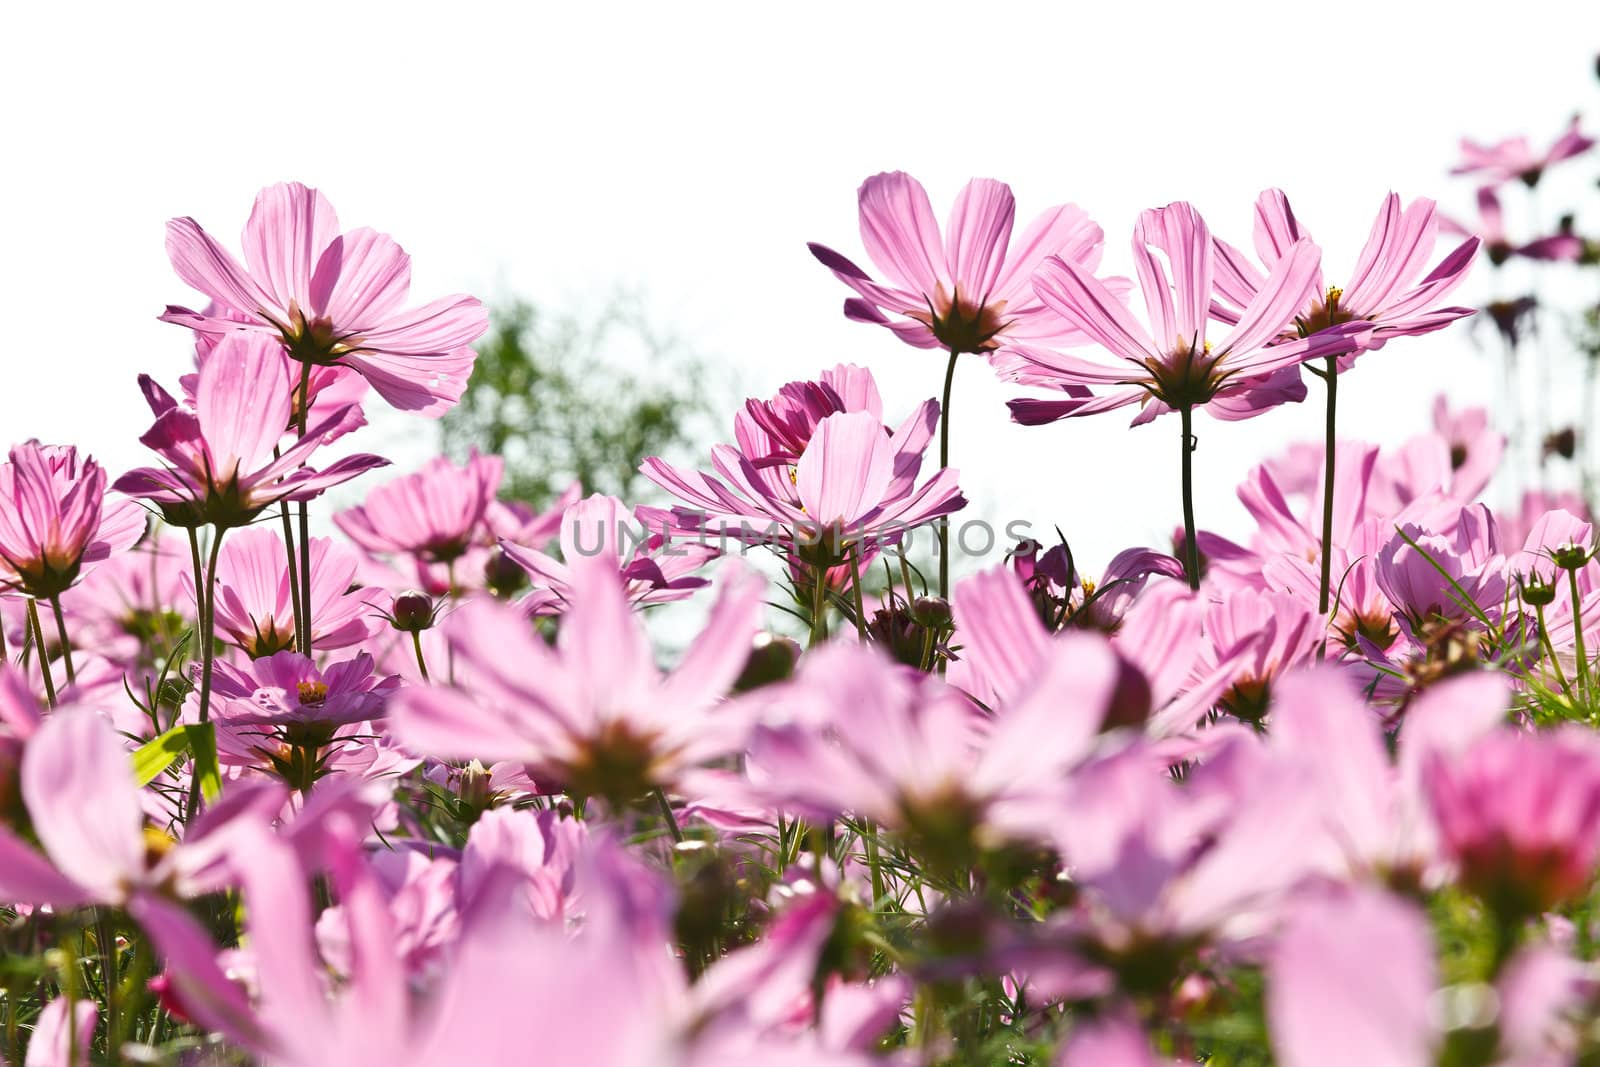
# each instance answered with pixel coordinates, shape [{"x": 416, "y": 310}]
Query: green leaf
[
  {"x": 203, "y": 742},
  {"x": 159, "y": 753}
]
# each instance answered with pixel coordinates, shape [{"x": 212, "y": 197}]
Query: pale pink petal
[
  {"x": 289, "y": 227},
  {"x": 78, "y": 784},
  {"x": 976, "y": 239},
  {"x": 900, "y": 233}
]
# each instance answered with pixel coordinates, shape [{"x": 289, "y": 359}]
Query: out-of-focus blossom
[{"x": 1515, "y": 159}]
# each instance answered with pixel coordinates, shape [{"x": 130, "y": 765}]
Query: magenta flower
[
  {"x": 594, "y": 713},
  {"x": 1515, "y": 159},
  {"x": 853, "y": 484},
  {"x": 254, "y": 601},
  {"x": 56, "y": 521},
  {"x": 970, "y": 291},
  {"x": 220, "y": 468},
  {"x": 331, "y": 298},
  {"x": 1498, "y": 245},
  {"x": 1386, "y": 288},
  {"x": 1520, "y": 815},
  {"x": 435, "y": 514},
  {"x": 290, "y": 691},
  {"x": 655, "y": 567},
  {"x": 1450, "y": 569},
  {"x": 1174, "y": 366}
]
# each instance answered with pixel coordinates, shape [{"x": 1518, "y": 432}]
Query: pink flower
[
  {"x": 1520, "y": 815},
  {"x": 330, "y": 298},
  {"x": 1498, "y": 245},
  {"x": 655, "y": 567},
  {"x": 254, "y": 601},
  {"x": 1383, "y": 289},
  {"x": 1174, "y": 366},
  {"x": 435, "y": 514},
  {"x": 853, "y": 484},
  {"x": 220, "y": 467},
  {"x": 56, "y": 520},
  {"x": 969, "y": 292},
  {"x": 86, "y": 811},
  {"x": 1515, "y": 158},
  {"x": 594, "y": 712},
  {"x": 290, "y": 691},
  {"x": 1455, "y": 574}
]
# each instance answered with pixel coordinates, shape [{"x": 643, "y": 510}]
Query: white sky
[{"x": 557, "y": 151}]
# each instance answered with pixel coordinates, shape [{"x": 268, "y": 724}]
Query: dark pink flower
[{"x": 56, "y": 520}]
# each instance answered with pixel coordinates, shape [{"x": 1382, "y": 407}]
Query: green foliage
[{"x": 564, "y": 397}]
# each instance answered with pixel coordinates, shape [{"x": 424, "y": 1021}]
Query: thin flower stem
[
  {"x": 44, "y": 657},
  {"x": 672, "y": 820},
  {"x": 942, "y": 528},
  {"x": 66, "y": 645},
  {"x": 422, "y": 664},
  {"x": 819, "y": 602},
  {"x": 1325, "y": 588},
  {"x": 294, "y": 569},
  {"x": 1549, "y": 650},
  {"x": 105, "y": 941},
  {"x": 303, "y": 413},
  {"x": 1577, "y": 637},
  {"x": 206, "y": 598},
  {"x": 855, "y": 592},
  {"x": 1191, "y": 550}
]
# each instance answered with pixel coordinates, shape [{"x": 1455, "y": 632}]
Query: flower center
[
  {"x": 1325, "y": 313},
  {"x": 313, "y": 694},
  {"x": 962, "y": 325}
]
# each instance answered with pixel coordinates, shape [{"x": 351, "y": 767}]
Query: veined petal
[
  {"x": 361, "y": 278},
  {"x": 1084, "y": 300},
  {"x": 846, "y": 468},
  {"x": 288, "y": 229},
  {"x": 207, "y": 266},
  {"x": 899, "y": 232},
  {"x": 977, "y": 236},
  {"x": 1282, "y": 296}
]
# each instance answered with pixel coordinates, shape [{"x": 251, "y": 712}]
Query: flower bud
[
  {"x": 1570, "y": 557},
  {"x": 772, "y": 659},
  {"x": 412, "y": 612},
  {"x": 1536, "y": 592},
  {"x": 502, "y": 574},
  {"x": 932, "y": 612}
]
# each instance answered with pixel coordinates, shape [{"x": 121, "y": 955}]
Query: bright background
[{"x": 556, "y": 151}]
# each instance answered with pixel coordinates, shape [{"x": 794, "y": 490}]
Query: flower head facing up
[
  {"x": 1387, "y": 287},
  {"x": 1173, "y": 365},
  {"x": 968, "y": 292},
  {"x": 55, "y": 519},
  {"x": 223, "y": 462},
  {"x": 435, "y": 514},
  {"x": 329, "y": 298}
]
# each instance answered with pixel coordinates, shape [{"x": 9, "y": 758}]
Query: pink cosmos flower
[
  {"x": 854, "y": 734},
  {"x": 1520, "y": 815},
  {"x": 853, "y": 484},
  {"x": 290, "y": 691},
  {"x": 969, "y": 292},
  {"x": 594, "y": 712},
  {"x": 1515, "y": 159},
  {"x": 87, "y": 812},
  {"x": 61, "y": 1039},
  {"x": 1497, "y": 243},
  {"x": 435, "y": 514},
  {"x": 655, "y": 567},
  {"x": 1173, "y": 366},
  {"x": 1475, "y": 448},
  {"x": 254, "y": 609},
  {"x": 1450, "y": 569},
  {"x": 220, "y": 467},
  {"x": 330, "y": 298},
  {"x": 1383, "y": 288},
  {"x": 56, "y": 521},
  {"x": 1326, "y": 1003},
  {"x": 1264, "y": 635}
]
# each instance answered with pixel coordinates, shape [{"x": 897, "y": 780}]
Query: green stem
[
  {"x": 44, "y": 657},
  {"x": 105, "y": 941},
  {"x": 1327, "y": 486},
  {"x": 1549, "y": 650},
  {"x": 206, "y": 597},
  {"x": 855, "y": 592},
  {"x": 305, "y": 523},
  {"x": 1191, "y": 550},
  {"x": 942, "y": 529},
  {"x": 819, "y": 602},
  {"x": 422, "y": 664},
  {"x": 66, "y": 645},
  {"x": 294, "y": 570},
  {"x": 1577, "y": 638},
  {"x": 672, "y": 820}
]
